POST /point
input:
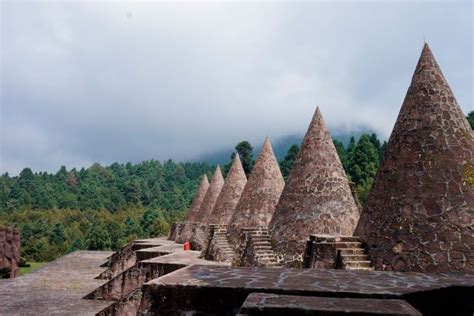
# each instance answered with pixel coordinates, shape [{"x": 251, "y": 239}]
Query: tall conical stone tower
[
  {"x": 260, "y": 195},
  {"x": 230, "y": 194},
  {"x": 419, "y": 215},
  {"x": 317, "y": 198},
  {"x": 198, "y": 198},
  {"x": 182, "y": 231},
  {"x": 211, "y": 197}
]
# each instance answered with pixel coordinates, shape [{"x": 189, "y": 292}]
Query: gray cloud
[{"x": 84, "y": 82}]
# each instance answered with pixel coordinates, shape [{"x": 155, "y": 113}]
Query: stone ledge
[{"x": 276, "y": 305}]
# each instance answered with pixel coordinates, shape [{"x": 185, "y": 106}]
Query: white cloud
[{"x": 127, "y": 81}]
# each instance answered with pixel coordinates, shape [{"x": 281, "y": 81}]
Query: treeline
[
  {"x": 360, "y": 160},
  {"x": 103, "y": 208},
  {"x": 98, "y": 208}
]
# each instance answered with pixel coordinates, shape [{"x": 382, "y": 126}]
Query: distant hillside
[{"x": 280, "y": 147}]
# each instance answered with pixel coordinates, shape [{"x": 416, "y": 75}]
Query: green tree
[
  {"x": 341, "y": 152},
  {"x": 57, "y": 235},
  {"x": 470, "y": 118},
  {"x": 287, "y": 163},
  {"x": 98, "y": 238},
  {"x": 245, "y": 151},
  {"x": 363, "y": 166}
]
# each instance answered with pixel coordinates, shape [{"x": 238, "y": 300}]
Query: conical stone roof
[
  {"x": 419, "y": 215},
  {"x": 197, "y": 201},
  {"x": 260, "y": 195},
  {"x": 211, "y": 197},
  {"x": 230, "y": 194},
  {"x": 317, "y": 198}
]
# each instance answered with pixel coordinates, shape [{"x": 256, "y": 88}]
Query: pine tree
[
  {"x": 98, "y": 238},
  {"x": 470, "y": 118},
  {"x": 57, "y": 235},
  {"x": 245, "y": 151},
  {"x": 363, "y": 165},
  {"x": 287, "y": 163}
]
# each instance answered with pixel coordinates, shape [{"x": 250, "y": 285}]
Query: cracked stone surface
[
  {"x": 211, "y": 197},
  {"x": 260, "y": 195},
  {"x": 197, "y": 288},
  {"x": 198, "y": 198},
  {"x": 274, "y": 304},
  {"x": 317, "y": 198},
  {"x": 419, "y": 215},
  {"x": 230, "y": 194},
  {"x": 57, "y": 288}
]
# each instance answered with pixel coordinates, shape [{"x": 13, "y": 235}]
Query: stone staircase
[
  {"x": 258, "y": 250},
  {"x": 219, "y": 248},
  {"x": 351, "y": 254}
]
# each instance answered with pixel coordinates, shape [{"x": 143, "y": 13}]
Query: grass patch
[{"x": 33, "y": 266}]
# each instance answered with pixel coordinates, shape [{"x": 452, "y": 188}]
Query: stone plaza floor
[{"x": 57, "y": 288}]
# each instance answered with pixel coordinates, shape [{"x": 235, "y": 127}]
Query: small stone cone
[
  {"x": 260, "y": 195},
  {"x": 211, "y": 197},
  {"x": 198, "y": 198},
  {"x": 317, "y": 198},
  {"x": 419, "y": 215},
  {"x": 230, "y": 194}
]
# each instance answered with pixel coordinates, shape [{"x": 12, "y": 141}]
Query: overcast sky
[{"x": 85, "y": 82}]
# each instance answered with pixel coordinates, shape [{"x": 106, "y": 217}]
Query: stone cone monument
[
  {"x": 419, "y": 215},
  {"x": 198, "y": 198},
  {"x": 317, "y": 198},
  {"x": 183, "y": 230},
  {"x": 211, "y": 196},
  {"x": 230, "y": 194},
  {"x": 199, "y": 238},
  {"x": 260, "y": 195}
]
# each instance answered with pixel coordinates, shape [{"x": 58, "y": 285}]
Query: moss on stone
[{"x": 469, "y": 174}]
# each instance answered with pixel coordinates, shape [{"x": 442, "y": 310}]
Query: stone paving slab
[
  {"x": 57, "y": 288},
  {"x": 274, "y": 304},
  {"x": 197, "y": 288},
  {"x": 381, "y": 283},
  {"x": 183, "y": 258}
]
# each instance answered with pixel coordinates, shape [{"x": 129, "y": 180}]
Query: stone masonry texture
[
  {"x": 317, "y": 198},
  {"x": 211, "y": 197},
  {"x": 10, "y": 250},
  {"x": 198, "y": 198},
  {"x": 419, "y": 214},
  {"x": 230, "y": 194},
  {"x": 260, "y": 195}
]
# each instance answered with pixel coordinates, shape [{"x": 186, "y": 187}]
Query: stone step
[
  {"x": 351, "y": 251},
  {"x": 349, "y": 239},
  {"x": 262, "y": 247},
  {"x": 350, "y": 244},
  {"x": 360, "y": 268},
  {"x": 261, "y": 244},
  {"x": 265, "y": 255},
  {"x": 357, "y": 264},
  {"x": 355, "y": 257}
]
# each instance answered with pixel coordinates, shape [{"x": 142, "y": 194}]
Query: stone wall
[{"x": 10, "y": 251}]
